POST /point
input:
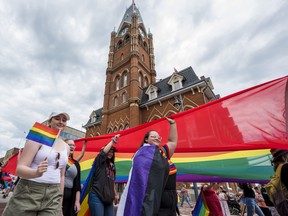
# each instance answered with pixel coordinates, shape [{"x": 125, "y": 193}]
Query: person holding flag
[{"x": 41, "y": 168}]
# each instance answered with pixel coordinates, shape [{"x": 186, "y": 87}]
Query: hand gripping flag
[{"x": 42, "y": 134}]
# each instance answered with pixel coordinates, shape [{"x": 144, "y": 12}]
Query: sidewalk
[{"x": 185, "y": 210}]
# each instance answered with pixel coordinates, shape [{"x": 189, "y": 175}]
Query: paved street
[{"x": 184, "y": 211}]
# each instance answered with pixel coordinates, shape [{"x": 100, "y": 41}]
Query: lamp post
[{"x": 179, "y": 102}]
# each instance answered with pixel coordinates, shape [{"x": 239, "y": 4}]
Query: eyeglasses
[
  {"x": 57, "y": 160},
  {"x": 156, "y": 137}
]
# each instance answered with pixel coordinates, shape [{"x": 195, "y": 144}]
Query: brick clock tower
[
  {"x": 132, "y": 96},
  {"x": 130, "y": 54}
]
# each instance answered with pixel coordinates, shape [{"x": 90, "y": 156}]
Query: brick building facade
[{"x": 132, "y": 96}]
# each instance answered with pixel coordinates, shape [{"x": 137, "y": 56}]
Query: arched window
[
  {"x": 145, "y": 46},
  {"x": 145, "y": 82},
  {"x": 115, "y": 101},
  {"x": 127, "y": 39},
  {"x": 124, "y": 97},
  {"x": 140, "y": 78},
  {"x": 120, "y": 44},
  {"x": 125, "y": 79},
  {"x": 117, "y": 84},
  {"x": 140, "y": 40}
]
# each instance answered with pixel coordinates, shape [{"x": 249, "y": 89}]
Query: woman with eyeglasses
[
  {"x": 42, "y": 172},
  {"x": 103, "y": 192},
  {"x": 72, "y": 186},
  {"x": 151, "y": 186}
]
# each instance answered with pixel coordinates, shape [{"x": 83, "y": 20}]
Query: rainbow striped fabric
[
  {"x": 201, "y": 208},
  {"x": 42, "y": 134},
  {"x": 70, "y": 163},
  {"x": 231, "y": 166}
]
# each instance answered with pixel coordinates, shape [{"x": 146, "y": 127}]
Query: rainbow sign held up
[{"x": 42, "y": 134}]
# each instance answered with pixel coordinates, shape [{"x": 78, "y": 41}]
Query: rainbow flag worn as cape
[
  {"x": 201, "y": 208},
  {"x": 42, "y": 134}
]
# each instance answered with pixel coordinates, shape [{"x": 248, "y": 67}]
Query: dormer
[
  {"x": 93, "y": 117},
  {"x": 176, "y": 81},
  {"x": 152, "y": 92}
]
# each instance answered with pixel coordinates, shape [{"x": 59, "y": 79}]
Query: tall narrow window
[
  {"x": 115, "y": 101},
  {"x": 122, "y": 57},
  {"x": 124, "y": 97},
  {"x": 127, "y": 39},
  {"x": 117, "y": 83},
  {"x": 125, "y": 79},
  {"x": 140, "y": 79},
  {"x": 145, "y": 82}
]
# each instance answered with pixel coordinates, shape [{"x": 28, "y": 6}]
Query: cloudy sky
[{"x": 54, "y": 53}]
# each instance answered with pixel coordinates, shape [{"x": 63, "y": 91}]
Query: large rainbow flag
[{"x": 226, "y": 140}]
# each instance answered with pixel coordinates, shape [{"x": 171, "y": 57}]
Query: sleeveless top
[{"x": 52, "y": 175}]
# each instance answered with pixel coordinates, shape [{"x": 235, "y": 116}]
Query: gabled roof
[
  {"x": 98, "y": 114},
  {"x": 164, "y": 88},
  {"x": 127, "y": 18}
]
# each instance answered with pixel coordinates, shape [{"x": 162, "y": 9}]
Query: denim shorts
[{"x": 32, "y": 198}]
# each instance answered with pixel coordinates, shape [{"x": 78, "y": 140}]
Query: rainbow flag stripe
[
  {"x": 201, "y": 208},
  {"x": 70, "y": 163},
  {"x": 42, "y": 134}
]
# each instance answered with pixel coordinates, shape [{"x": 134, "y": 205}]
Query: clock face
[
  {"x": 142, "y": 32},
  {"x": 124, "y": 31}
]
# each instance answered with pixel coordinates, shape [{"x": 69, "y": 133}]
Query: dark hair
[
  {"x": 145, "y": 137},
  {"x": 278, "y": 155},
  {"x": 147, "y": 134}
]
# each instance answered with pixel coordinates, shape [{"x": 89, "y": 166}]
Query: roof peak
[{"x": 127, "y": 18}]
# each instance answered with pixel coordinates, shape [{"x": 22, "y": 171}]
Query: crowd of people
[{"x": 48, "y": 181}]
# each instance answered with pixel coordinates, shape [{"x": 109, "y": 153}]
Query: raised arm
[
  {"x": 173, "y": 136},
  {"x": 111, "y": 143},
  {"x": 82, "y": 152}
]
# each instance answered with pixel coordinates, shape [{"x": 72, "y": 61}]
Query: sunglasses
[{"x": 57, "y": 160}]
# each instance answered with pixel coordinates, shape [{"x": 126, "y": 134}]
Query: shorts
[{"x": 32, "y": 198}]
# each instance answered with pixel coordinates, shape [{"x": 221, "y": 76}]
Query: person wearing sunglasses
[
  {"x": 151, "y": 186},
  {"x": 42, "y": 172},
  {"x": 103, "y": 191}
]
